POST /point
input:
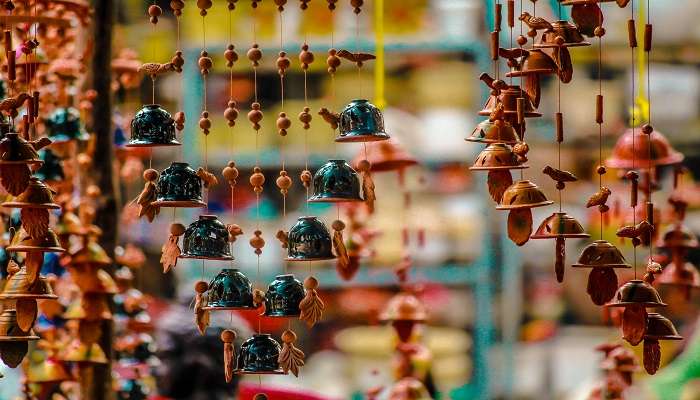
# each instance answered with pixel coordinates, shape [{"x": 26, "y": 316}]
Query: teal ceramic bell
[
  {"x": 336, "y": 182},
  {"x": 309, "y": 240},
  {"x": 259, "y": 355},
  {"x": 206, "y": 239},
  {"x": 283, "y": 297},
  {"x": 179, "y": 186},
  {"x": 152, "y": 126},
  {"x": 64, "y": 125},
  {"x": 229, "y": 290},
  {"x": 361, "y": 121},
  {"x": 52, "y": 169}
]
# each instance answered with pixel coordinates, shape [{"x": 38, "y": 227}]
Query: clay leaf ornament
[
  {"x": 35, "y": 221},
  {"x": 15, "y": 178},
  {"x": 370, "y": 197},
  {"x": 339, "y": 244},
  {"x": 200, "y": 301},
  {"x": 291, "y": 358},
  {"x": 602, "y": 285},
  {"x": 26, "y": 313},
  {"x": 311, "y": 305},
  {"x": 520, "y": 225},
  {"x": 498, "y": 181},
  {"x": 634, "y": 324},
  {"x": 652, "y": 356},
  {"x": 148, "y": 196},
  {"x": 228, "y": 336}
]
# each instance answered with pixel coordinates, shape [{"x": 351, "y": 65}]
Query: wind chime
[{"x": 619, "y": 365}]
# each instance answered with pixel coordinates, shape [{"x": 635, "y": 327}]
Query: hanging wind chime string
[
  {"x": 599, "y": 117},
  {"x": 647, "y": 49},
  {"x": 633, "y": 41}
]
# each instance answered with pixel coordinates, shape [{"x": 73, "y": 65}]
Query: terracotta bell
[
  {"x": 636, "y": 292},
  {"x": 309, "y": 240},
  {"x": 179, "y": 186},
  {"x": 535, "y": 63},
  {"x": 497, "y": 156},
  {"x": 229, "y": 290},
  {"x": 560, "y": 224},
  {"x": 14, "y": 149},
  {"x": 404, "y": 310},
  {"x": 283, "y": 297},
  {"x": 152, "y": 126},
  {"x": 64, "y": 125},
  {"x": 523, "y": 194},
  {"x": 52, "y": 169},
  {"x": 10, "y": 330},
  {"x": 509, "y": 99},
  {"x": 19, "y": 286},
  {"x": 25, "y": 243},
  {"x": 80, "y": 352},
  {"x": 497, "y": 131},
  {"x": 601, "y": 254},
  {"x": 93, "y": 279},
  {"x": 660, "y": 328},
  {"x": 361, "y": 121},
  {"x": 680, "y": 274},
  {"x": 678, "y": 236},
  {"x": 385, "y": 156},
  {"x": 206, "y": 239},
  {"x": 561, "y": 29},
  {"x": 259, "y": 355},
  {"x": 336, "y": 182},
  {"x": 90, "y": 254},
  {"x": 36, "y": 195},
  {"x": 89, "y": 307},
  {"x": 661, "y": 151}
]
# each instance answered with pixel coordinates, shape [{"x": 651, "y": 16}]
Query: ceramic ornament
[
  {"x": 658, "y": 328},
  {"x": 148, "y": 195},
  {"x": 201, "y": 315},
  {"x": 171, "y": 249},
  {"x": 602, "y": 257},
  {"x": 283, "y": 297},
  {"x": 227, "y": 337},
  {"x": 311, "y": 306},
  {"x": 230, "y": 289},
  {"x": 259, "y": 355},
  {"x": 181, "y": 186},
  {"x": 18, "y": 157},
  {"x": 290, "y": 358}
]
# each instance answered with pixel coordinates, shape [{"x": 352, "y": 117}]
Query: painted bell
[
  {"x": 624, "y": 153},
  {"x": 509, "y": 99},
  {"x": 678, "y": 236},
  {"x": 152, "y": 126},
  {"x": 25, "y": 243},
  {"x": 259, "y": 355},
  {"x": 336, "y": 182},
  {"x": 636, "y": 292},
  {"x": 559, "y": 224},
  {"x": 229, "y": 290},
  {"x": 601, "y": 254},
  {"x": 52, "y": 169},
  {"x": 207, "y": 239},
  {"x": 283, "y": 297},
  {"x": 80, "y": 352},
  {"x": 10, "y": 330},
  {"x": 660, "y": 328},
  {"x": 64, "y": 125},
  {"x": 14, "y": 149},
  {"x": 19, "y": 286},
  {"x": 36, "y": 195},
  {"x": 535, "y": 63},
  {"x": 309, "y": 240},
  {"x": 561, "y": 29},
  {"x": 523, "y": 194},
  {"x": 179, "y": 186},
  {"x": 361, "y": 121},
  {"x": 387, "y": 155},
  {"x": 497, "y": 131},
  {"x": 496, "y": 156},
  {"x": 404, "y": 311}
]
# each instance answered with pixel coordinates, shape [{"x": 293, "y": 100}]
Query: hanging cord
[
  {"x": 633, "y": 44},
  {"x": 599, "y": 114}
]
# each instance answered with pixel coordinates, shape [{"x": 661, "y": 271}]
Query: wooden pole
[{"x": 107, "y": 216}]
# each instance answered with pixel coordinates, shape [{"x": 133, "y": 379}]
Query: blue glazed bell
[
  {"x": 64, "y": 125},
  {"x": 52, "y": 169},
  {"x": 229, "y": 290},
  {"x": 283, "y": 297},
  {"x": 206, "y": 239},
  {"x": 361, "y": 121},
  {"x": 309, "y": 240},
  {"x": 152, "y": 126},
  {"x": 336, "y": 182},
  {"x": 179, "y": 186},
  {"x": 259, "y": 355}
]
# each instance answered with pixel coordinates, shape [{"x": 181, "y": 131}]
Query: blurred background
[{"x": 500, "y": 325}]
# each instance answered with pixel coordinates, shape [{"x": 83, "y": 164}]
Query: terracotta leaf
[
  {"x": 26, "y": 313},
  {"x": 368, "y": 191},
  {"x": 532, "y": 88},
  {"x": 35, "y": 221},
  {"x": 14, "y": 178},
  {"x": 229, "y": 361},
  {"x": 12, "y": 353},
  {"x": 201, "y": 316},
  {"x": 291, "y": 358},
  {"x": 559, "y": 258},
  {"x": 520, "y": 225},
  {"x": 311, "y": 307},
  {"x": 652, "y": 356},
  {"x": 602, "y": 285},
  {"x": 170, "y": 253},
  {"x": 634, "y": 324},
  {"x": 33, "y": 263},
  {"x": 498, "y": 182},
  {"x": 348, "y": 271},
  {"x": 340, "y": 251},
  {"x": 145, "y": 200},
  {"x": 404, "y": 329}
]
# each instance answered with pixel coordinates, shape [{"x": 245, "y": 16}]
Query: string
[
  {"x": 650, "y": 208},
  {"x": 634, "y": 205},
  {"x": 600, "y": 122}
]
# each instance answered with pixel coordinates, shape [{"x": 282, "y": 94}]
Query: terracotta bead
[
  {"x": 150, "y": 174},
  {"x": 599, "y": 31},
  {"x": 306, "y": 177},
  {"x": 231, "y": 113},
  {"x": 283, "y": 123},
  {"x": 522, "y": 40},
  {"x": 310, "y": 283},
  {"x": 154, "y": 12},
  {"x": 306, "y": 57},
  {"x": 284, "y": 182},
  {"x": 201, "y": 286},
  {"x": 230, "y": 55},
  {"x": 205, "y": 63},
  {"x": 255, "y": 116},
  {"x": 283, "y": 63},
  {"x": 305, "y": 117},
  {"x": 228, "y": 336},
  {"x": 333, "y": 61},
  {"x": 254, "y": 54},
  {"x": 177, "y": 229},
  {"x": 338, "y": 225},
  {"x": 289, "y": 336}
]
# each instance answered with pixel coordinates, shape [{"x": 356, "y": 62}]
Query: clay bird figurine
[
  {"x": 535, "y": 23},
  {"x": 11, "y": 104},
  {"x": 208, "y": 179},
  {"x": 598, "y": 198},
  {"x": 283, "y": 237},
  {"x": 233, "y": 232},
  {"x": 632, "y": 232},
  {"x": 357, "y": 58},
  {"x": 495, "y": 84},
  {"x": 329, "y": 116},
  {"x": 559, "y": 176},
  {"x": 154, "y": 69},
  {"x": 521, "y": 149},
  {"x": 513, "y": 53}
]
